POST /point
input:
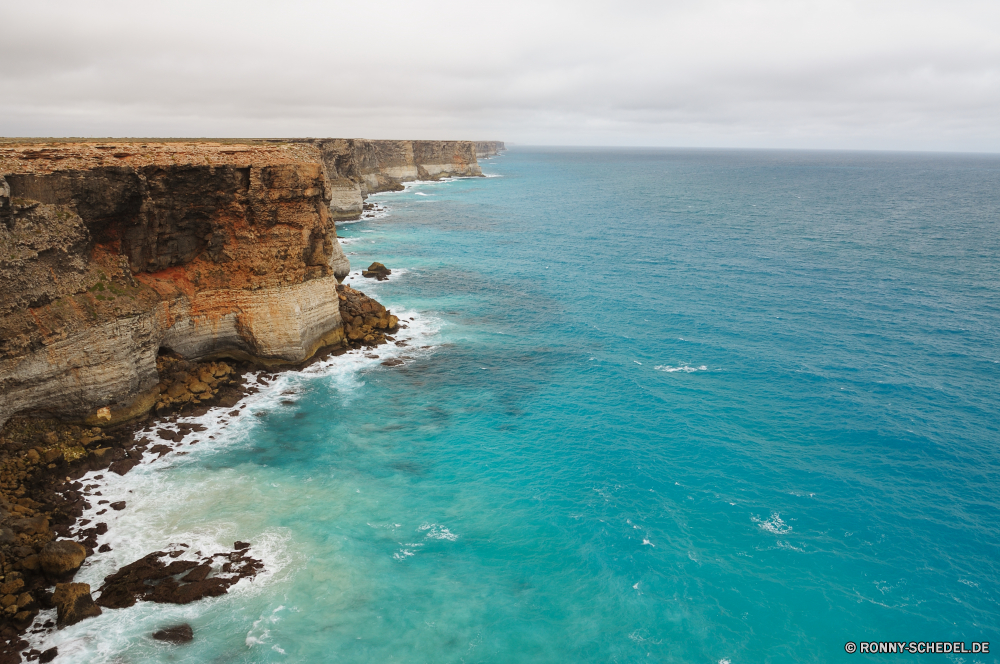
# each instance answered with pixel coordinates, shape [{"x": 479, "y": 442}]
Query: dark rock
[
  {"x": 117, "y": 506},
  {"x": 151, "y": 579},
  {"x": 199, "y": 573},
  {"x": 176, "y": 634},
  {"x": 104, "y": 548},
  {"x": 392, "y": 362},
  {"x": 48, "y": 655},
  {"x": 122, "y": 466},
  {"x": 241, "y": 546}
]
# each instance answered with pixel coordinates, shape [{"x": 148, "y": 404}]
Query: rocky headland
[{"x": 140, "y": 280}]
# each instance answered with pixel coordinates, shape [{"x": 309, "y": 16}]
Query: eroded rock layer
[
  {"x": 485, "y": 149},
  {"x": 359, "y": 167},
  {"x": 111, "y": 253}
]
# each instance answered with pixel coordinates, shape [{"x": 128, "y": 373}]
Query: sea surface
[{"x": 656, "y": 406}]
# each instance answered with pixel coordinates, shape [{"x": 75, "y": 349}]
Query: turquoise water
[{"x": 675, "y": 406}]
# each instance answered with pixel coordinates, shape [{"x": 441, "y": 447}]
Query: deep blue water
[{"x": 678, "y": 406}]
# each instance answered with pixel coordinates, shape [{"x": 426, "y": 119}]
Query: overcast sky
[{"x": 911, "y": 75}]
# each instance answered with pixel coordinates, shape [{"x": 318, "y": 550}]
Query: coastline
[
  {"x": 62, "y": 477},
  {"x": 204, "y": 433}
]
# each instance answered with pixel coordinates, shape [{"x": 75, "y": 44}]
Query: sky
[{"x": 913, "y": 75}]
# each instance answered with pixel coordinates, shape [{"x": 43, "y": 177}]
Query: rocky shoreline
[
  {"x": 142, "y": 282},
  {"x": 43, "y": 538}
]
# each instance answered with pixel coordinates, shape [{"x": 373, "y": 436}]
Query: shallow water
[{"x": 676, "y": 406}]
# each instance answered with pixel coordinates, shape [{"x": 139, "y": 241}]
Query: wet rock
[
  {"x": 199, "y": 573},
  {"x": 175, "y": 634},
  {"x": 394, "y": 362},
  {"x": 122, "y": 466},
  {"x": 376, "y": 271},
  {"x": 118, "y": 505},
  {"x": 74, "y": 603},
  {"x": 151, "y": 578},
  {"x": 160, "y": 450},
  {"x": 61, "y": 558},
  {"x": 48, "y": 655}
]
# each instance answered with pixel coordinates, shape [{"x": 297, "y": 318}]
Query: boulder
[
  {"x": 11, "y": 586},
  {"x": 123, "y": 466},
  {"x": 61, "y": 558},
  {"x": 36, "y": 525},
  {"x": 376, "y": 271},
  {"x": 175, "y": 634},
  {"x": 198, "y": 387},
  {"x": 74, "y": 603}
]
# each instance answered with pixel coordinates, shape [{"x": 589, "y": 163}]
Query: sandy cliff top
[{"x": 46, "y": 156}]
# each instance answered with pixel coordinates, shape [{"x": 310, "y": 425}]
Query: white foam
[
  {"x": 684, "y": 368},
  {"x": 437, "y": 531},
  {"x": 259, "y": 632},
  {"x": 148, "y": 523},
  {"x": 773, "y": 525}
]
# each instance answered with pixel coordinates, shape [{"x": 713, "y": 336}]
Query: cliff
[
  {"x": 359, "y": 167},
  {"x": 112, "y": 252},
  {"x": 486, "y": 149}
]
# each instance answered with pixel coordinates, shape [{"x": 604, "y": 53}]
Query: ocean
[{"x": 655, "y": 406}]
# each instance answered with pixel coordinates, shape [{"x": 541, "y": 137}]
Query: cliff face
[
  {"x": 111, "y": 252},
  {"x": 485, "y": 149},
  {"x": 359, "y": 167}
]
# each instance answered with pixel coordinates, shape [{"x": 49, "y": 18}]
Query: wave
[
  {"x": 773, "y": 525},
  {"x": 684, "y": 368},
  {"x": 437, "y": 531},
  {"x": 150, "y": 523}
]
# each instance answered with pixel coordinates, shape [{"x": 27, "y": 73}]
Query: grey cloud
[{"x": 768, "y": 73}]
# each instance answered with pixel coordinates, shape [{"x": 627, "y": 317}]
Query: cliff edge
[
  {"x": 112, "y": 252},
  {"x": 360, "y": 167}
]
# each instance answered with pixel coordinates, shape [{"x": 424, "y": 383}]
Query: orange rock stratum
[{"x": 113, "y": 251}]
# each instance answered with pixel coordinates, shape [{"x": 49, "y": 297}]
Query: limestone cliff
[
  {"x": 486, "y": 149},
  {"x": 114, "y": 252},
  {"x": 111, "y": 252},
  {"x": 359, "y": 167}
]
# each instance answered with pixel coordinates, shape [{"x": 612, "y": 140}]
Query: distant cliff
[
  {"x": 485, "y": 149},
  {"x": 359, "y": 167}
]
